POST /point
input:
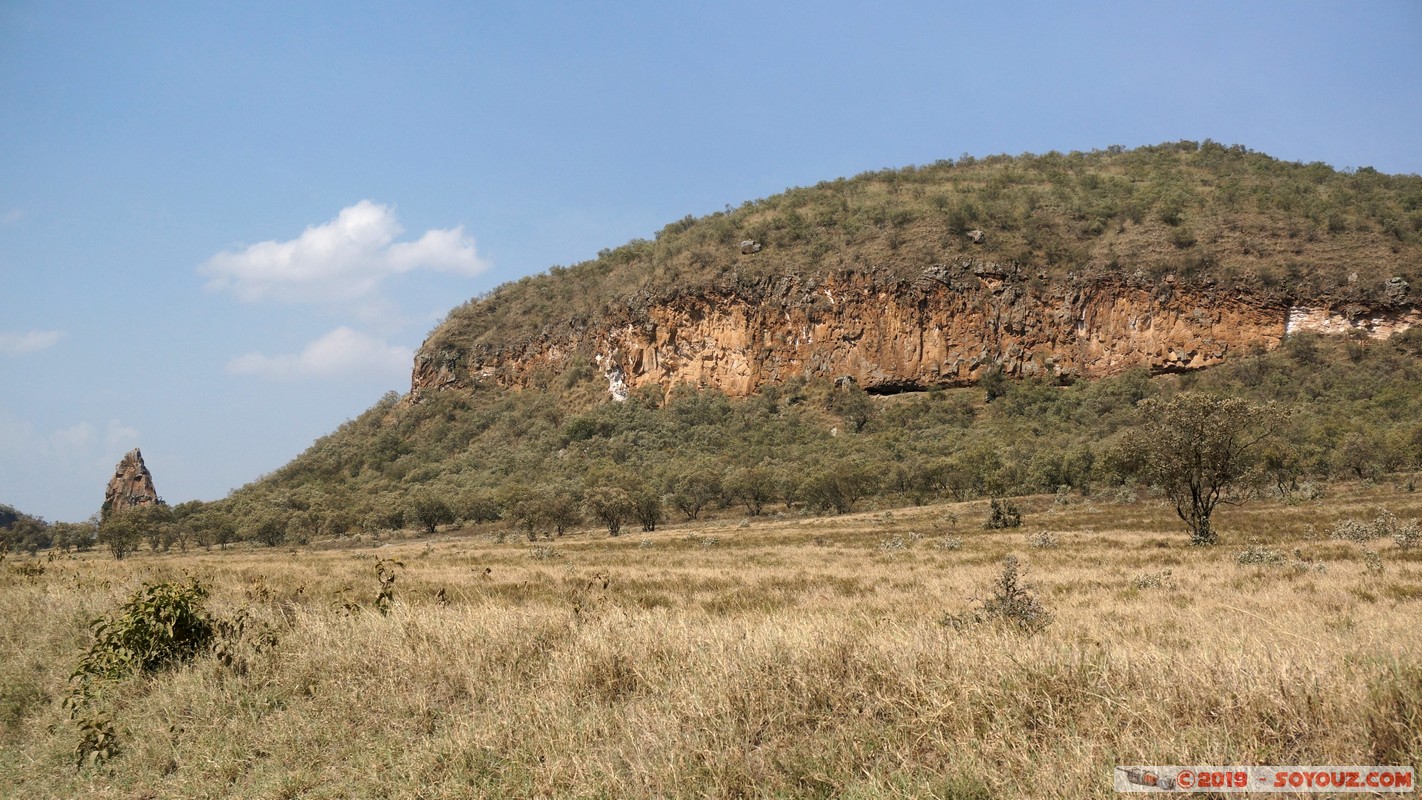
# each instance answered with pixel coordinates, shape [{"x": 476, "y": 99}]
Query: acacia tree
[
  {"x": 751, "y": 486},
  {"x": 1197, "y": 449},
  {"x": 561, "y": 510},
  {"x": 268, "y": 527},
  {"x": 841, "y": 484},
  {"x": 429, "y": 512},
  {"x": 647, "y": 507},
  {"x": 120, "y": 533},
  {"x": 691, "y": 486},
  {"x": 610, "y": 505}
]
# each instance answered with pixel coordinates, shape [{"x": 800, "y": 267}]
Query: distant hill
[
  {"x": 9, "y": 516},
  {"x": 21, "y": 531}
]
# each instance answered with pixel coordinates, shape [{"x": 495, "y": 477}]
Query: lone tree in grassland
[{"x": 1197, "y": 448}]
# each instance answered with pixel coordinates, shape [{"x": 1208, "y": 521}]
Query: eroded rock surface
[
  {"x": 947, "y": 328},
  {"x": 131, "y": 486}
]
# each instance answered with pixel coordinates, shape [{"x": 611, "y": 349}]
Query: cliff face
[{"x": 948, "y": 328}]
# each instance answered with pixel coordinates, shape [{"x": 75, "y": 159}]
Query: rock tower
[{"x": 130, "y": 487}]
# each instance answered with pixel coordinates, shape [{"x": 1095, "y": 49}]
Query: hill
[
  {"x": 935, "y": 275},
  {"x": 748, "y": 378},
  {"x": 21, "y": 531},
  {"x": 9, "y": 516}
]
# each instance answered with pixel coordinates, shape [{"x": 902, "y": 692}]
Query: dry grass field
[{"x": 790, "y": 656}]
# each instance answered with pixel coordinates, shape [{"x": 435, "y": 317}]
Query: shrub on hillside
[{"x": 1003, "y": 514}]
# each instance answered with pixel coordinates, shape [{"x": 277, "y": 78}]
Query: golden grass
[{"x": 793, "y": 657}]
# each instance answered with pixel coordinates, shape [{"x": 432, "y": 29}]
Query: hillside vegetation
[
  {"x": 531, "y": 460},
  {"x": 1202, "y": 212}
]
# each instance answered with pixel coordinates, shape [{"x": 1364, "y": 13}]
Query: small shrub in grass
[
  {"x": 1154, "y": 580},
  {"x": 1385, "y": 525},
  {"x": 241, "y": 637},
  {"x": 1388, "y": 525},
  {"x": 949, "y": 543},
  {"x": 1003, "y": 514},
  {"x": 98, "y": 741},
  {"x": 28, "y": 569},
  {"x": 385, "y": 574},
  {"x": 892, "y": 544},
  {"x": 1256, "y": 555},
  {"x": 547, "y": 553},
  {"x": 1351, "y": 530},
  {"x": 1011, "y": 601},
  {"x": 1302, "y": 564},
  {"x": 1407, "y": 536},
  {"x": 1043, "y": 541},
  {"x": 159, "y": 626},
  {"x": 1372, "y": 562}
]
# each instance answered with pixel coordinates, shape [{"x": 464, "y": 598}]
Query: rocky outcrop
[
  {"x": 130, "y": 487},
  {"x": 949, "y": 327},
  {"x": 1374, "y": 323}
]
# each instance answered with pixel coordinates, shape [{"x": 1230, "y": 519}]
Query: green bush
[{"x": 160, "y": 625}]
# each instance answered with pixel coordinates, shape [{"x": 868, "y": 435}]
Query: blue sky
[{"x": 224, "y": 227}]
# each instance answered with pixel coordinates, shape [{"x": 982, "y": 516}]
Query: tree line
[{"x": 529, "y": 463}]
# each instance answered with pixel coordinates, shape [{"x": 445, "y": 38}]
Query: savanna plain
[{"x": 888, "y": 653}]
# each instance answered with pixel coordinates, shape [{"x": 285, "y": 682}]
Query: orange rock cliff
[{"x": 949, "y": 327}]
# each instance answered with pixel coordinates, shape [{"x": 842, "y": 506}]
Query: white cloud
[
  {"x": 18, "y": 344},
  {"x": 59, "y": 473},
  {"x": 74, "y": 437},
  {"x": 84, "y": 435},
  {"x": 120, "y": 436},
  {"x": 341, "y": 353},
  {"x": 344, "y": 259}
]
